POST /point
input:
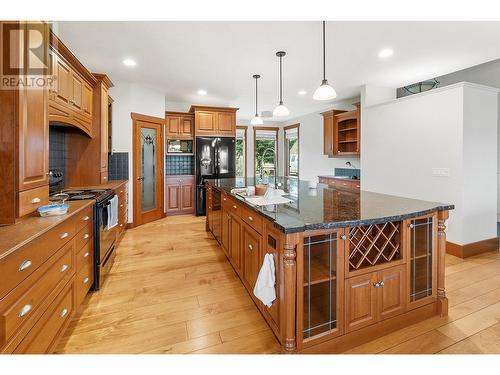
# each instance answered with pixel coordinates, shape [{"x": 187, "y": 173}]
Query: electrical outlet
[{"x": 440, "y": 172}]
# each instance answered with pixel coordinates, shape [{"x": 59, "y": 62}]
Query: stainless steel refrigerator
[{"x": 215, "y": 158}]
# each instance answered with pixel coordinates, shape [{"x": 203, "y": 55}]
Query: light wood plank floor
[{"x": 171, "y": 290}]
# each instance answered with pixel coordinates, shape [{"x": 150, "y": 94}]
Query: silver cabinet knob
[
  {"x": 63, "y": 313},
  {"x": 64, "y": 235},
  {"x": 411, "y": 226},
  {"x": 36, "y": 200},
  {"x": 250, "y": 247},
  {"x": 85, "y": 236},
  {"x": 86, "y": 255},
  {"x": 26, "y": 264},
  {"x": 85, "y": 218},
  {"x": 250, "y": 218},
  {"x": 86, "y": 280},
  {"x": 343, "y": 237},
  {"x": 63, "y": 268},
  {"x": 235, "y": 207},
  {"x": 381, "y": 283},
  {"x": 25, "y": 310},
  {"x": 376, "y": 285}
]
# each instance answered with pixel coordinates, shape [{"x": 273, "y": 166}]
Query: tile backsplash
[
  {"x": 118, "y": 166},
  {"x": 179, "y": 164},
  {"x": 57, "y": 149},
  {"x": 350, "y": 172}
]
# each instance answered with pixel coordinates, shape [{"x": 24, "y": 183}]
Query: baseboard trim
[{"x": 474, "y": 248}]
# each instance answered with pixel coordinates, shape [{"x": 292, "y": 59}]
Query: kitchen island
[{"x": 351, "y": 266}]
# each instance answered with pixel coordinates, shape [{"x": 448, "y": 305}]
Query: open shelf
[
  {"x": 349, "y": 141},
  {"x": 319, "y": 273},
  {"x": 348, "y": 129}
]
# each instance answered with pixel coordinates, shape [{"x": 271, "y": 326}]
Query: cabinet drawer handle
[
  {"x": 85, "y": 218},
  {"x": 26, "y": 264},
  {"x": 86, "y": 255},
  {"x": 381, "y": 283},
  {"x": 411, "y": 226},
  {"x": 121, "y": 205},
  {"x": 26, "y": 309},
  {"x": 235, "y": 207},
  {"x": 121, "y": 191},
  {"x": 36, "y": 200},
  {"x": 343, "y": 237},
  {"x": 376, "y": 285},
  {"x": 86, "y": 280},
  {"x": 85, "y": 236},
  {"x": 224, "y": 199},
  {"x": 63, "y": 313},
  {"x": 250, "y": 218},
  {"x": 64, "y": 235},
  {"x": 63, "y": 268},
  {"x": 250, "y": 247}
]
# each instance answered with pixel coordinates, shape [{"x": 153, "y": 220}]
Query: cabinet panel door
[
  {"x": 328, "y": 135},
  {"x": 173, "y": 126},
  {"x": 361, "y": 301},
  {"x": 235, "y": 241},
  {"x": 33, "y": 139},
  {"x": 226, "y": 123},
  {"x": 206, "y": 122},
  {"x": 62, "y": 72},
  {"x": 251, "y": 250},
  {"x": 87, "y": 99},
  {"x": 391, "y": 295},
  {"x": 225, "y": 231},
  {"x": 187, "y": 196},
  {"x": 104, "y": 129},
  {"x": 173, "y": 197},
  {"x": 186, "y": 129},
  {"x": 76, "y": 92}
]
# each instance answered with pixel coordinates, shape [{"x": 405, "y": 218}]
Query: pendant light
[
  {"x": 325, "y": 91},
  {"x": 281, "y": 110},
  {"x": 256, "y": 120}
]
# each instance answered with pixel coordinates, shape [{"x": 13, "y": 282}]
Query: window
[
  {"x": 241, "y": 151},
  {"x": 265, "y": 151},
  {"x": 292, "y": 151}
]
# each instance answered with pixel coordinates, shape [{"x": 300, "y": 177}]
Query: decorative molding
[{"x": 195, "y": 108}]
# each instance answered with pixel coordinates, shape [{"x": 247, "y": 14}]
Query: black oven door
[{"x": 107, "y": 237}]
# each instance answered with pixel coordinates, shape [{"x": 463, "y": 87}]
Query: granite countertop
[
  {"x": 326, "y": 207},
  {"x": 13, "y": 237}
]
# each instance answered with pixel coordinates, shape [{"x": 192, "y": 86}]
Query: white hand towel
[
  {"x": 264, "y": 286},
  {"x": 113, "y": 212}
]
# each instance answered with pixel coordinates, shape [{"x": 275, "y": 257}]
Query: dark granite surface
[{"x": 327, "y": 208}]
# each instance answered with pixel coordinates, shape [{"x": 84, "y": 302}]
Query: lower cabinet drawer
[
  {"x": 83, "y": 282},
  {"x": 252, "y": 218},
  {"x": 18, "y": 307},
  {"x": 84, "y": 236},
  {"x": 85, "y": 255},
  {"x": 44, "y": 334},
  {"x": 30, "y": 200}
]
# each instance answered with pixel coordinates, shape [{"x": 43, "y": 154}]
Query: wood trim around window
[
  {"x": 285, "y": 149},
  {"x": 276, "y": 157},
  {"x": 245, "y": 128}
]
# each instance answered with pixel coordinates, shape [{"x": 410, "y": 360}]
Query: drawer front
[
  {"x": 344, "y": 184},
  {"x": 49, "y": 328},
  {"x": 84, "y": 217},
  {"x": 328, "y": 181},
  {"x": 84, "y": 236},
  {"x": 85, "y": 255},
  {"x": 18, "y": 266},
  {"x": 355, "y": 185},
  {"x": 104, "y": 177},
  {"x": 30, "y": 200},
  {"x": 233, "y": 207},
  {"x": 252, "y": 218},
  {"x": 14, "y": 313},
  {"x": 83, "y": 282}
]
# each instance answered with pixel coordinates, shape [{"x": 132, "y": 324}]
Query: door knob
[{"x": 140, "y": 178}]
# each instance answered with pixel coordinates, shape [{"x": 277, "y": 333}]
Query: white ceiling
[{"x": 179, "y": 58}]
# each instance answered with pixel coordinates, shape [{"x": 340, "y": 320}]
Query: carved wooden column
[
  {"x": 441, "y": 291},
  {"x": 290, "y": 273}
]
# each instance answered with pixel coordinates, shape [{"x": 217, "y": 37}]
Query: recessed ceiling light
[
  {"x": 302, "y": 92},
  {"x": 385, "y": 53},
  {"x": 129, "y": 62},
  {"x": 202, "y": 92}
]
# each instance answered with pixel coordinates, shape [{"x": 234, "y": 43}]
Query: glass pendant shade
[
  {"x": 256, "y": 120},
  {"x": 324, "y": 92},
  {"x": 281, "y": 111}
]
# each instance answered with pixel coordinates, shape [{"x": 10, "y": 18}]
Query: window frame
[
  {"x": 244, "y": 128},
  {"x": 276, "y": 152},
  {"x": 285, "y": 147}
]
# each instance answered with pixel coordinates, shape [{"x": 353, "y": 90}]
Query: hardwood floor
[{"x": 171, "y": 290}]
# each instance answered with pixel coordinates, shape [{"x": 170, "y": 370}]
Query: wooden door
[
  {"x": 235, "y": 241},
  {"x": 87, "y": 100},
  {"x": 187, "y": 195},
  {"x": 226, "y": 123},
  {"x": 76, "y": 92},
  {"x": 148, "y": 159},
  {"x": 63, "y": 89},
  {"x": 361, "y": 301},
  {"x": 173, "y": 196},
  {"x": 391, "y": 292},
  {"x": 186, "y": 129},
  {"x": 173, "y": 126},
  {"x": 225, "y": 231},
  {"x": 251, "y": 250},
  {"x": 205, "y": 122}
]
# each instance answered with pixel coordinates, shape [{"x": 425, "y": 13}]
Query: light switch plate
[{"x": 440, "y": 172}]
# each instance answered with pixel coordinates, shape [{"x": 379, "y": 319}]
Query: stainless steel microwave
[{"x": 179, "y": 146}]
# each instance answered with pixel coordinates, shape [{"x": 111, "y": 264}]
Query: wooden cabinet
[
  {"x": 101, "y": 108},
  {"x": 391, "y": 292},
  {"x": 225, "y": 232},
  {"x": 341, "y": 132},
  {"x": 235, "y": 243},
  {"x": 179, "y": 195},
  {"x": 214, "y": 121},
  {"x": 340, "y": 183},
  {"x": 122, "y": 194},
  {"x": 251, "y": 259},
  {"x": 179, "y": 125}
]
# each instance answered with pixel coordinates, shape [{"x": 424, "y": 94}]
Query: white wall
[
  {"x": 130, "y": 98},
  {"x": 312, "y": 162},
  {"x": 451, "y": 127}
]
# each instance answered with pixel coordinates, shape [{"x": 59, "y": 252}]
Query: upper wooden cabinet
[
  {"x": 179, "y": 125},
  {"x": 341, "y": 132},
  {"x": 101, "y": 107},
  {"x": 70, "y": 98},
  {"x": 24, "y": 132},
  {"x": 214, "y": 121}
]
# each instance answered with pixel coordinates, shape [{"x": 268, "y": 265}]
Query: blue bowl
[{"x": 53, "y": 209}]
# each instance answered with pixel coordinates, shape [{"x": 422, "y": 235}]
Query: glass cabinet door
[
  {"x": 421, "y": 262},
  {"x": 320, "y": 285}
]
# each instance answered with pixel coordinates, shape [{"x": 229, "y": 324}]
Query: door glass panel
[
  {"x": 320, "y": 284},
  {"x": 420, "y": 258},
  {"x": 148, "y": 168}
]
